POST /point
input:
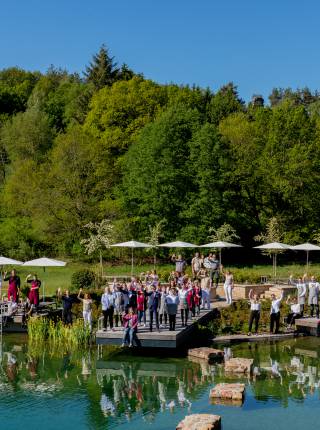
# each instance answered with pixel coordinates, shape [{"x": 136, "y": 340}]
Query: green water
[{"x": 106, "y": 390}]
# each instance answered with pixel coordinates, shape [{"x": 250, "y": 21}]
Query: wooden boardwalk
[
  {"x": 235, "y": 338},
  {"x": 163, "y": 338}
]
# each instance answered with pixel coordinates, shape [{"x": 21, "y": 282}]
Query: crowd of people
[{"x": 144, "y": 302}]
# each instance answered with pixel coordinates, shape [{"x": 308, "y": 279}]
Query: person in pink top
[{"x": 130, "y": 324}]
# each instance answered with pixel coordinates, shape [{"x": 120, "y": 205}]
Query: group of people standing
[{"x": 308, "y": 290}]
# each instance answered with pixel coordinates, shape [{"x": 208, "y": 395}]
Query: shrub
[{"x": 83, "y": 278}]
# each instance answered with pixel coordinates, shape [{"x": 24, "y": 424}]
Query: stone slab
[
  {"x": 238, "y": 365},
  {"x": 200, "y": 422},
  {"x": 208, "y": 354},
  {"x": 228, "y": 392}
]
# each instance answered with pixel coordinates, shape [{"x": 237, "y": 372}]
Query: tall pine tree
[{"x": 102, "y": 71}]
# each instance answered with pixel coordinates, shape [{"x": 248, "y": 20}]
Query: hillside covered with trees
[{"x": 111, "y": 144}]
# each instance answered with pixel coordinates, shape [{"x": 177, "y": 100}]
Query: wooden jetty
[
  {"x": 235, "y": 338},
  {"x": 162, "y": 338},
  {"x": 308, "y": 326}
]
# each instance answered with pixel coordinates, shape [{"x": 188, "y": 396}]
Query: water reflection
[{"x": 115, "y": 389}]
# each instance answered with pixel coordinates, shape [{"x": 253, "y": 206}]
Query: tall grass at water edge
[{"x": 57, "y": 333}]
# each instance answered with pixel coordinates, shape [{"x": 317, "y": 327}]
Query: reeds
[{"x": 58, "y": 334}]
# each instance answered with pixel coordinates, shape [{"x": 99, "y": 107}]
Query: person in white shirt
[
  {"x": 255, "y": 308},
  {"x": 107, "y": 302},
  {"x": 295, "y": 311},
  {"x": 228, "y": 285},
  {"x": 196, "y": 265},
  {"x": 205, "y": 288},
  {"x": 313, "y": 296},
  {"x": 275, "y": 313},
  {"x": 302, "y": 291}
]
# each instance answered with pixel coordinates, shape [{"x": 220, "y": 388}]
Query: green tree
[
  {"x": 103, "y": 71},
  {"x": 156, "y": 180}
]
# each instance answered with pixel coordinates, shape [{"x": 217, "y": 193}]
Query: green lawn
[{"x": 55, "y": 277}]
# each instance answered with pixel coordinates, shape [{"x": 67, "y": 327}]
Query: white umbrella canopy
[
  {"x": 274, "y": 246},
  {"x": 132, "y": 244},
  {"x": 220, "y": 245},
  {"x": 307, "y": 247},
  {"x": 178, "y": 244},
  {"x": 4, "y": 261},
  {"x": 44, "y": 262}
]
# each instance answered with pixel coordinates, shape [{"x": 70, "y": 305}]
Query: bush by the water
[{"x": 83, "y": 278}]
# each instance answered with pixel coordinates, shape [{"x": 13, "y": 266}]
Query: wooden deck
[
  {"x": 235, "y": 338},
  {"x": 163, "y": 338},
  {"x": 308, "y": 326}
]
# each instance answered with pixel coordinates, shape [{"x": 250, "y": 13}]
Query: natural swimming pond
[{"x": 101, "y": 390}]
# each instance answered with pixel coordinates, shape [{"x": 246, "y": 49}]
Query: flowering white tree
[
  {"x": 155, "y": 232},
  {"x": 100, "y": 237},
  {"x": 225, "y": 233}
]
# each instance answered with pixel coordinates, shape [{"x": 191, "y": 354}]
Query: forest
[{"x": 110, "y": 144}]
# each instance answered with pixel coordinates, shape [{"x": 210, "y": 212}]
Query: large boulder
[
  {"x": 228, "y": 393},
  {"x": 200, "y": 422},
  {"x": 208, "y": 354},
  {"x": 239, "y": 365}
]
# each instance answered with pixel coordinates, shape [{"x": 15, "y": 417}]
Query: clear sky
[{"x": 257, "y": 44}]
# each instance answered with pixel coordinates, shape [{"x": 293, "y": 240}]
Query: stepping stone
[
  {"x": 208, "y": 354},
  {"x": 228, "y": 392},
  {"x": 239, "y": 365},
  {"x": 200, "y": 422}
]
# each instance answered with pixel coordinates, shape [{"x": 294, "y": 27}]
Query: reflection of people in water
[
  {"x": 181, "y": 396},
  {"x": 32, "y": 365},
  {"x": 162, "y": 395},
  {"x": 107, "y": 407},
  {"x": 86, "y": 368},
  {"x": 12, "y": 367}
]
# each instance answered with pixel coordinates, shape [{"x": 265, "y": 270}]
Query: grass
[{"x": 60, "y": 277}]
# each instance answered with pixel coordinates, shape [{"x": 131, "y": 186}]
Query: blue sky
[{"x": 257, "y": 44}]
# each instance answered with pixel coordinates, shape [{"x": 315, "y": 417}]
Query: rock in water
[
  {"x": 200, "y": 422},
  {"x": 228, "y": 393},
  {"x": 239, "y": 365},
  {"x": 209, "y": 354}
]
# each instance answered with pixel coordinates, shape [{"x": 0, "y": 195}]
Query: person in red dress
[
  {"x": 34, "y": 290},
  {"x": 14, "y": 285}
]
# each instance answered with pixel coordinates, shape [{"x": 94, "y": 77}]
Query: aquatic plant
[{"x": 57, "y": 333}]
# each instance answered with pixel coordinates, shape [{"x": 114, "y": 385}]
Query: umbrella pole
[
  {"x": 43, "y": 296},
  {"x": 131, "y": 261},
  {"x": 220, "y": 251},
  {"x": 307, "y": 261},
  {"x": 275, "y": 267}
]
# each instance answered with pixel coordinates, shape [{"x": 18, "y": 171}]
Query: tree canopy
[{"x": 111, "y": 144}]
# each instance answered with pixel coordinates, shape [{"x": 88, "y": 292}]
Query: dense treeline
[{"x": 114, "y": 145}]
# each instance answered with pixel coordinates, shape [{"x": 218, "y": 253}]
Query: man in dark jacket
[{"x": 153, "y": 306}]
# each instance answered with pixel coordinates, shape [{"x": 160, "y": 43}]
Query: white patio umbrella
[
  {"x": 274, "y": 247},
  {"x": 4, "y": 261},
  {"x": 44, "y": 262},
  {"x": 178, "y": 244},
  {"x": 132, "y": 244},
  {"x": 307, "y": 247},
  {"x": 220, "y": 245}
]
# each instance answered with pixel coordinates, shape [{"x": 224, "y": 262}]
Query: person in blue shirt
[{"x": 153, "y": 306}]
